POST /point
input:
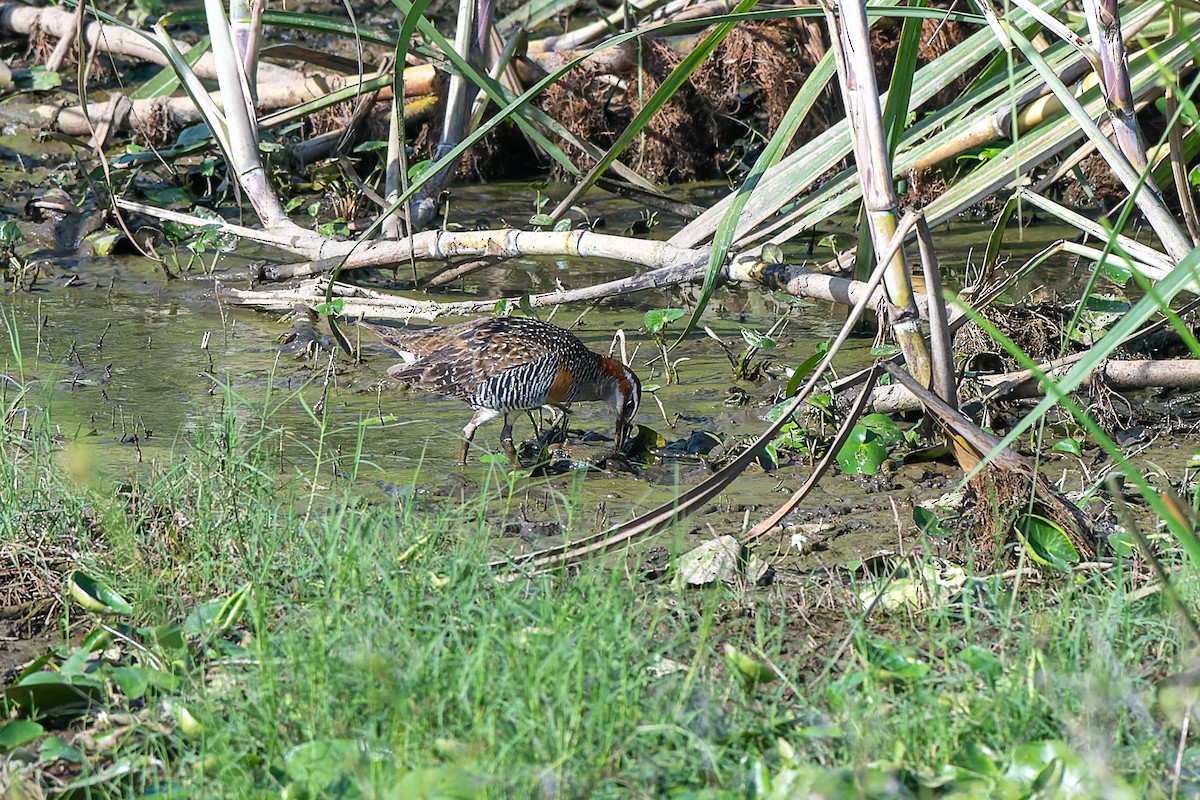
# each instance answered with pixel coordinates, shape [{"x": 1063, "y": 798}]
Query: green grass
[{"x": 378, "y": 656}]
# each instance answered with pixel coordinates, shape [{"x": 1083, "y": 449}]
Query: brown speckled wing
[{"x": 450, "y": 371}]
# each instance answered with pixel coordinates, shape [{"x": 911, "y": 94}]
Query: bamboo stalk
[
  {"x": 1174, "y": 240},
  {"x": 459, "y": 96},
  {"x": 941, "y": 339},
  {"x": 245, "y": 25},
  {"x": 1179, "y": 171},
  {"x": 852, "y": 51},
  {"x": 241, "y": 145},
  {"x": 1104, "y": 19}
]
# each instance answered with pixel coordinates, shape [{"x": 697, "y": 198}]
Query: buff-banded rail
[{"x": 502, "y": 365}]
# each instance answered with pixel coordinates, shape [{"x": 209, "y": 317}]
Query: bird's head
[{"x": 624, "y": 393}]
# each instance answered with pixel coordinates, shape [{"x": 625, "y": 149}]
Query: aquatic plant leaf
[
  {"x": 1069, "y": 446},
  {"x": 50, "y": 694},
  {"x": 1047, "y": 543},
  {"x": 776, "y": 411},
  {"x": 883, "y": 427},
  {"x": 889, "y": 662},
  {"x": 928, "y": 522},
  {"x": 135, "y": 681},
  {"x": 805, "y": 368},
  {"x": 1052, "y": 768},
  {"x": 19, "y": 733},
  {"x": 96, "y": 596},
  {"x": 37, "y": 79},
  {"x": 56, "y": 749},
  {"x": 1116, "y": 271},
  {"x": 768, "y": 459},
  {"x": 646, "y": 441},
  {"x": 104, "y": 241},
  {"x": 659, "y": 318},
  {"x": 863, "y": 453},
  {"x": 977, "y": 758}
]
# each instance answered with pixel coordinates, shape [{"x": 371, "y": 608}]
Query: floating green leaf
[
  {"x": 55, "y": 749},
  {"x": 50, "y": 694},
  {"x": 37, "y": 79},
  {"x": 928, "y": 522},
  {"x": 883, "y": 427},
  {"x": 863, "y": 453},
  {"x": 1069, "y": 446},
  {"x": 135, "y": 681}
]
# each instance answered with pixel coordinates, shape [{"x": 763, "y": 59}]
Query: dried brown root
[{"x": 996, "y": 498}]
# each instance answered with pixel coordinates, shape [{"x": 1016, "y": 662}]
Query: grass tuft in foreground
[{"x": 357, "y": 648}]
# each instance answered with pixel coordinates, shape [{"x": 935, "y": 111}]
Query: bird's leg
[
  {"x": 506, "y": 440},
  {"x": 564, "y": 418},
  {"x": 537, "y": 429},
  {"x": 481, "y": 416},
  {"x": 557, "y": 425}
]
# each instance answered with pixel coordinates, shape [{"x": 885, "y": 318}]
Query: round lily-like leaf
[
  {"x": 51, "y": 694},
  {"x": 96, "y": 596},
  {"x": 883, "y": 427},
  {"x": 863, "y": 453},
  {"x": 1069, "y": 446}
]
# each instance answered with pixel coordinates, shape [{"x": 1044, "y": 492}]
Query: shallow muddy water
[{"x": 131, "y": 363}]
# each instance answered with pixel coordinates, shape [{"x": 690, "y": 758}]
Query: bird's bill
[{"x": 624, "y": 426}]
